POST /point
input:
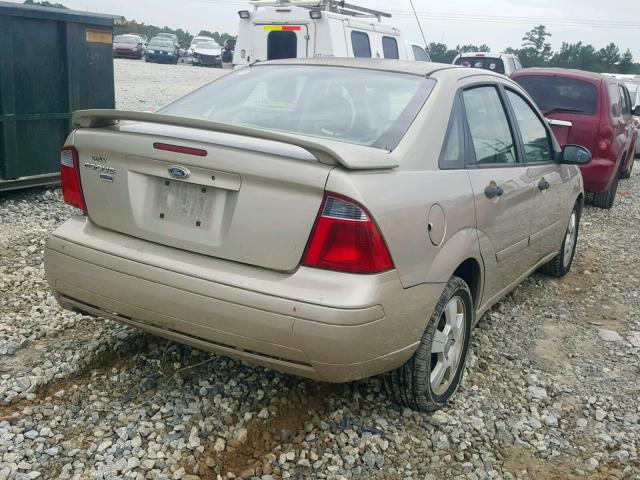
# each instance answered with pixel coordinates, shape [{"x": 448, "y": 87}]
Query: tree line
[
  {"x": 536, "y": 52},
  {"x": 149, "y": 30}
]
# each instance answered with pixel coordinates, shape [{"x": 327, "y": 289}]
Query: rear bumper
[
  {"x": 598, "y": 175},
  {"x": 313, "y": 323}
]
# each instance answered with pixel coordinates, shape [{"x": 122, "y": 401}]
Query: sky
[{"x": 498, "y": 23}]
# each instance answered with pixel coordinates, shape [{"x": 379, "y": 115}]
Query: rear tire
[
  {"x": 560, "y": 265},
  {"x": 607, "y": 199},
  {"x": 432, "y": 375}
]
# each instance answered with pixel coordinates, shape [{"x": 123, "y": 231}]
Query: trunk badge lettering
[{"x": 179, "y": 173}]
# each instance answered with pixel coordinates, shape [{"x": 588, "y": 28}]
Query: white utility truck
[{"x": 277, "y": 29}]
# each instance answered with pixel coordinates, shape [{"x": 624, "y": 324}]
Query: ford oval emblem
[{"x": 179, "y": 173}]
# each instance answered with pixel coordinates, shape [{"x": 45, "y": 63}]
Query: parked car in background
[
  {"x": 128, "y": 46},
  {"x": 634, "y": 91},
  {"x": 228, "y": 48},
  {"x": 504, "y": 63},
  {"x": 207, "y": 54},
  {"x": 294, "y": 29},
  {"x": 143, "y": 36},
  {"x": 417, "y": 53},
  {"x": 593, "y": 110},
  {"x": 162, "y": 50},
  {"x": 197, "y": 40},
  {"x": 331, "y": 218}
]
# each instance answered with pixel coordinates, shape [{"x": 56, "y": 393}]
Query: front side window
[
  {"x": 491, "y": 136},
  {"x": 537, "y": 147},
  {"x": 626, "y": 108},
  {"x": 361, "y": 45},
  {"x": 351, "y": 105},
  {"x": 390, "y": 48}
]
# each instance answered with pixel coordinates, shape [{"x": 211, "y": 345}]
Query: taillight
[
  {"x": 346, "y": 238},
  {"x": 604, "y": 144},
  {"x": 70, "y": 178}
]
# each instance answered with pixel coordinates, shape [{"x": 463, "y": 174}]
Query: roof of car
[
  {"x": 400, "y": 66},
  {"x": 573, "y": 73}
]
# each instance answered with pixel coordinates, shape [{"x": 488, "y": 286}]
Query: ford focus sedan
[{"x": 333, "y": 219}]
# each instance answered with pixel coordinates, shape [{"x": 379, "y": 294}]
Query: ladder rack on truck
[{"x": 328, "y": 5}]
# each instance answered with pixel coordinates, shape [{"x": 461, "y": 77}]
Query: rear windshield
[
  {"x": 127, "y": 40},
  {"x": 634, "y": 92},
  {"x": 561, "y": 95},
  {"x": 486, "y": 63},
  {"x": 359, "y": 106}
]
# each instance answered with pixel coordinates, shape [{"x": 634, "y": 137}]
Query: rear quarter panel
[{"x": 400, "y": 199}]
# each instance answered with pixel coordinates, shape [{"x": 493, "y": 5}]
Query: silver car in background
[{"x": 333, "y": 219}]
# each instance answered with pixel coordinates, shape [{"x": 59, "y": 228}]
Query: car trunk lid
[{"x": 245, "y": 199}]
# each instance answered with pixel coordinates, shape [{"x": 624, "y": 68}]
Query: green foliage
[
  {"x": 184, "y": 37},
  {"x": 535, "y": 44},
  {"x": 44, "y": 4}
]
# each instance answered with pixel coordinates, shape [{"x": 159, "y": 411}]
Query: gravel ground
[{"x": 551, "y": 389}]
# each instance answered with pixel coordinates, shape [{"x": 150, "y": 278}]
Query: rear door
[
  {"x": 277, "y": 41},
  {"x": 501, "y": 188}
]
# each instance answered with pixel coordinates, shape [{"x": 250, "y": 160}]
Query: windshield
[
  {"x": 364, "y": 107},
  {"x": 559, "y": 94},
  {"x": 486, "y": 63},
  {"x": 160, "y": 43},
  {"x": 127, "y": 40},
  {"x": 198, "y": 41}
]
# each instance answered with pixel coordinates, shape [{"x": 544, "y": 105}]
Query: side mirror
[
  {"x": 636, "y": 111},
  {"x": 575, "y": 155}
]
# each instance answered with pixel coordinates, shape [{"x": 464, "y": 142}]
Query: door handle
[
  {"x": 543, "y": 185},
  {"x": 493, "y": 190}
]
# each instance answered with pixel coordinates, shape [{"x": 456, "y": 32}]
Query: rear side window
[
  {"x": 485, "y": 63},
  {"x": 512, "y": 64},
  {"x": 614, "y": 100},
  {"x": 282, "y": 44},
  {"x": 561, "y": 95},
  {"x": 490, "y": 133},
  {"x": 390, "y": 47},
  {"x": 420, "y": 54},
  {"x": 537, "y": 147},
  {"x": 452, "y": 155},
  {"x": 361, "y": 45}
]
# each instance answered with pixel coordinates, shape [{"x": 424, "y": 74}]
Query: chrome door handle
[
  {"x": 543, "y": 185},
  {"x": 493, "y": 191}
]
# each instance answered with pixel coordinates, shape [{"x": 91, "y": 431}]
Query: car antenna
[{"x": 418, "y": 21}]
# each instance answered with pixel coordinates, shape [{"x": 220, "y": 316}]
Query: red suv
[{"x": 592, "y": 110}]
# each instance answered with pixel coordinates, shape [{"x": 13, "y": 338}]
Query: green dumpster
[{"x": 52, "y": 62}]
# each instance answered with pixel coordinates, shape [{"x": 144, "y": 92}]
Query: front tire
[
  {"x": 560, "y": 265},
  {"x": 432, "y": 375}
]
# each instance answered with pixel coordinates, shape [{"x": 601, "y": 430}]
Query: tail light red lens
[
  {"x": 604, "y": 144},
  {"x": 345, "y": 238},
  {"x": 70, "y": 178}
]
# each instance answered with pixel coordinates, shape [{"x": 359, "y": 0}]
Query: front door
[
  {"x": 548, "y": 179},
  {"x": 275, "y": 42},
  {"x": 502, "y": 194}
]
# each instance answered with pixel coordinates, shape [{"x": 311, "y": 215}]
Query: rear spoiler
[{"x": 329, "y": 152}]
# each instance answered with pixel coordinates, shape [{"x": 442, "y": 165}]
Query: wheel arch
[{"x": 470, "y": 271}]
